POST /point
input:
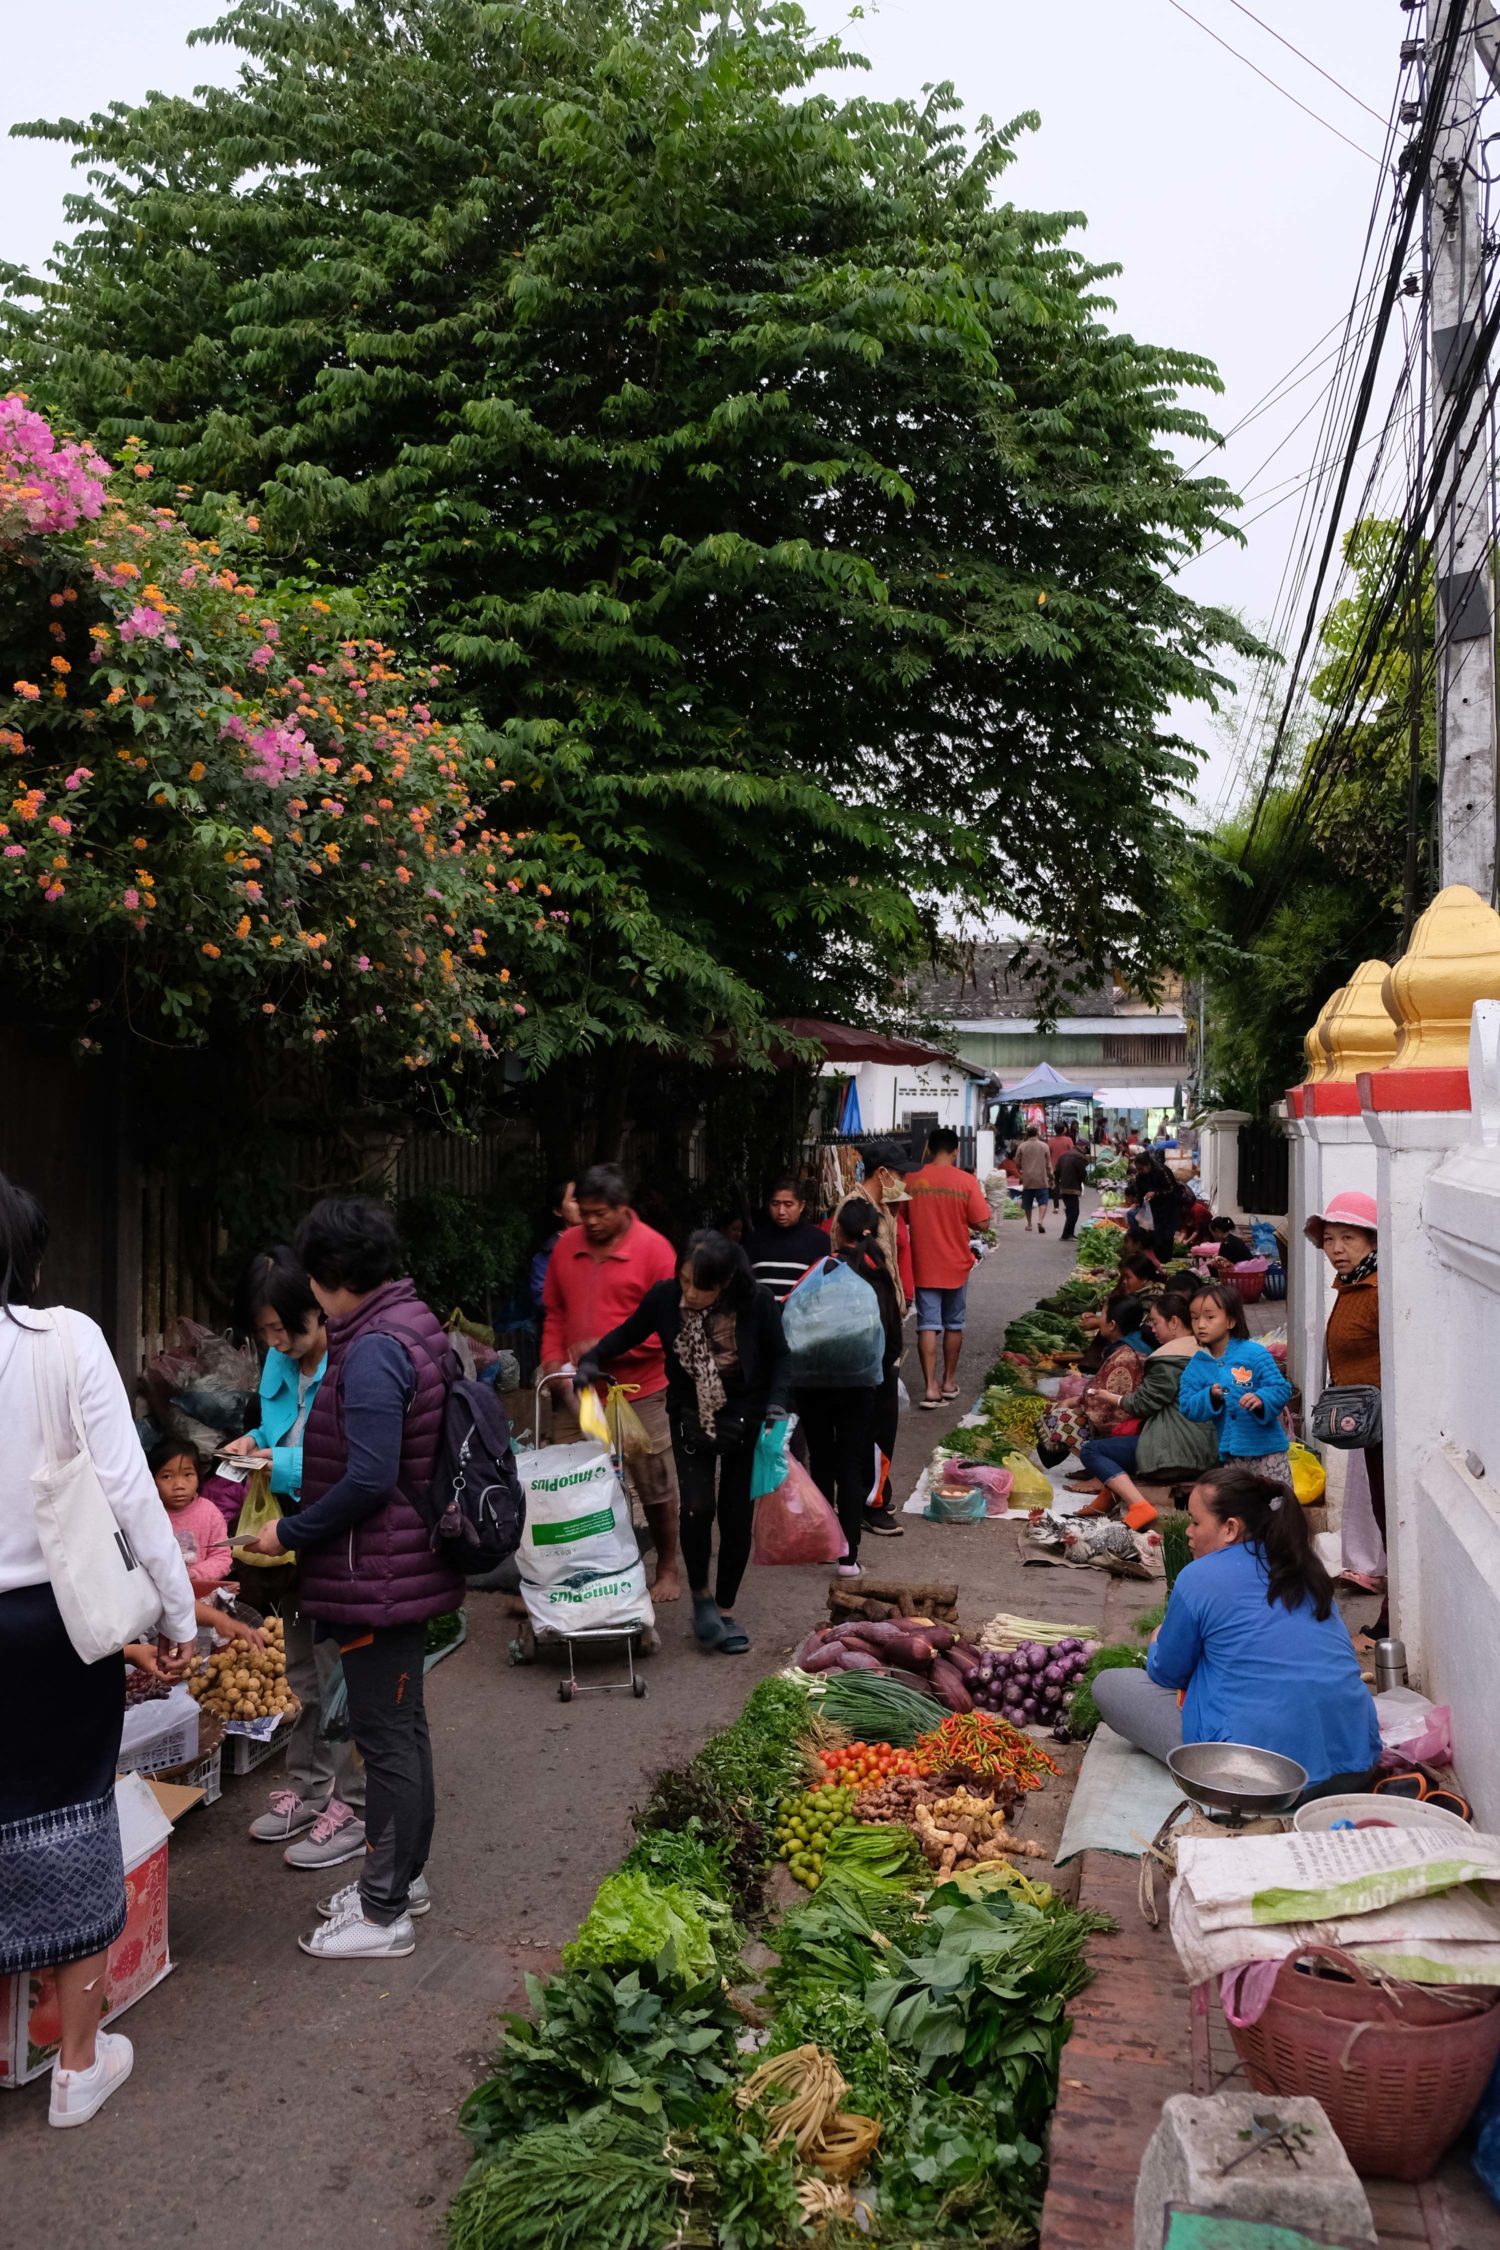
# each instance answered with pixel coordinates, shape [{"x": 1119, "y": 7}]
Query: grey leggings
[{"x": 1145, "y": 1714}]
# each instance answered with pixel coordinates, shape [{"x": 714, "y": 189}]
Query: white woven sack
[
  {"x": 104, "y": 1593},
  {"x": 581, "y": 1570}
]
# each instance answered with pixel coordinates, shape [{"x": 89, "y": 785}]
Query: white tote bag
[{"x": 105, "y": 1595}]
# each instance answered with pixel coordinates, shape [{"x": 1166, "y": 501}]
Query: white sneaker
[
  {"x": 352, "y": 1938},
  {"x": 78, "y": 2095},
  {"x": 848, "y": 1569},
  {"x": 339, "y": 1903}
]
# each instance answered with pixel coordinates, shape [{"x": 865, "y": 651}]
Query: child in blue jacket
[{"x": 1234, "y": 1383}]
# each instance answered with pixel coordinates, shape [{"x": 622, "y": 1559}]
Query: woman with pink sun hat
[{"x": 1346, "y": 1231}]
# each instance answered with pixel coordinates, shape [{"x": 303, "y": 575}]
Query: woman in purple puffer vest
[{"x": 368, "y": 1573}]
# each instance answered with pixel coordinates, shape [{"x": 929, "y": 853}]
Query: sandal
[
  {"x": 733, "y": 1641},
  {"x": 929, "y": 1405},
  {"x": 708, "y": 1625}
]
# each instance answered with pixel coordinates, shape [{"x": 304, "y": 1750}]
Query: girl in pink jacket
[{"x": 198, "y": 1524}]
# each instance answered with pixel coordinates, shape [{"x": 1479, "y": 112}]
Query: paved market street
[{"x": 318, "y": 2103}]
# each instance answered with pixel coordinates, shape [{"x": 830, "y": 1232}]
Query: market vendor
[
  {"x": 1252, "y": 1648},
  {"x": 1167, "y": 1447}
]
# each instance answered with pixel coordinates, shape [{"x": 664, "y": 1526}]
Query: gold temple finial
[
  {"x": 1356, "y": 1027},
  {"x": 1315, "y": 1045},
  {"x": 1452, "y": 961}
]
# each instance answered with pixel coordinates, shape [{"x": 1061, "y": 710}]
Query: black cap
[{"x": 886, "y": 1156}]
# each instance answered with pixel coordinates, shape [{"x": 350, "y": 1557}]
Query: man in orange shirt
[
  {"x": 945, "y": 1205},
  {"x": 596, "y": 1277}
]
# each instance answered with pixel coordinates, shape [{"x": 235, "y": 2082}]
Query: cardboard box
[{"x": 30, "y": 2032}]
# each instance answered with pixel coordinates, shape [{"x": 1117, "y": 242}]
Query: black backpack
[{"x": 476, "y": 1503}]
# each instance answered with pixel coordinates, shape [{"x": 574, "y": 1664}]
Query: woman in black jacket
[
  {"x": 842, "y": 1426},
  {"x": 727, "y": 1376}
]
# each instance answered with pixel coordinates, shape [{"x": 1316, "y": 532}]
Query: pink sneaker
[
  {"x": 288, "y": 1817},
  {"x": 337, "y": 1834}
]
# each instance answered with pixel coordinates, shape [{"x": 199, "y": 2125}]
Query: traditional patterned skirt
[{"x": 62, "y": 1877}]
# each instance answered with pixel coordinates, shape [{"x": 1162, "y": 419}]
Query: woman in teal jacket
[{"x": 318, "y": 1813}]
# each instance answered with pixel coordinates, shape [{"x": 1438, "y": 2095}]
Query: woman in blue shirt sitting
[{"x": 1251, "y": 1644}]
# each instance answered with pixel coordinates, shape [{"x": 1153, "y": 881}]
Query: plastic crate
[
  {"x": 205, "y": 1773},
  {"x": 159, "y": 1733},
  {"x": 245, "y": 1754}
]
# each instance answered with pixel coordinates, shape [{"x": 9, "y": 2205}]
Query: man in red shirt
[
  {"x": 945, "y": 1204},
  {"x": 597, "y": 1275}
]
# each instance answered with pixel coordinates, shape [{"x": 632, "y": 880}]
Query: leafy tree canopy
[{"x": 785, "y": 500}]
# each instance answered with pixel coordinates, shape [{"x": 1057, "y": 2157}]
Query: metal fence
[
  {"x": 1265, "y": 1170},
  {"x": 914, "y": 1143}
]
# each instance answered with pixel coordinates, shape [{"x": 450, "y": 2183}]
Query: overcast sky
[{"x": 1238, "y": 219}]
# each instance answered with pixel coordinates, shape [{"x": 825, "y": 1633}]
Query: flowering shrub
[{"x": 232, "y": 803}]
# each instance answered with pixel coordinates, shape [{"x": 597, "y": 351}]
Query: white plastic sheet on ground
[{"x": 581, "y": 1571}]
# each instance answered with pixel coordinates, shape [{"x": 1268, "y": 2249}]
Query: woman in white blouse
[{"x": 62, "y": 1877}]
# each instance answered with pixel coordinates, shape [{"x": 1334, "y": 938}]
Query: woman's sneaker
[
  {"x": 337, "y": 1833},
  {"x": 288, "y": 1817},
  {"x": 78, "y": 2095},
  {"x": 352, "y": 1937},
  {"x": 848, "y": 1569},
  {"x": 418, "y": 1900}
]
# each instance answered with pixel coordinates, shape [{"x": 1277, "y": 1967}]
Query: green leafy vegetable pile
[
  {"x": 1099, "y": 1248},
  {"x": 635, "y": 1922}
]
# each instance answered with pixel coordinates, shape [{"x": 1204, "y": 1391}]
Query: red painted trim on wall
[{"x": 1416, "y": 1088}]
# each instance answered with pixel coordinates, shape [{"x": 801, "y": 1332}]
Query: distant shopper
[
  {"x": 1071, "y": 1171},
  {"x": 317, "y": 1813},
  {"x": 1060, "y": 1140},
  {"x": 1233, "y": 1247},
  {"x": 785, "y": 1242},
  {"x": 946, "y": 1205},
  {"x": 884, "y": 1188},
  {"x": 367, "y": 1573},
  {"x": 841, "y": 1423},
  {"x": 1035, "y": 1164},
  {"x": 599, "y": 1272},
  {"x": 62, "y": 1877},
  {"x": 728, "y": 1374},
  {"x": 561, "y": 1213}
]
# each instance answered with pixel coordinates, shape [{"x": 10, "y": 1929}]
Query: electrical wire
[
  {"x": 1275, "y": 82},
  {"x": 1317, "y": 66},
  {"x": 1423, "y": 150}
]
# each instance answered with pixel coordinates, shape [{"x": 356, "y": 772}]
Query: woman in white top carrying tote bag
[{"x": 88, "y": 1560}]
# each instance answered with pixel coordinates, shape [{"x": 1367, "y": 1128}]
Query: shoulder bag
[
  {"x": 1348, "y": 1415},
  {"x": 104, "y": 1593}
]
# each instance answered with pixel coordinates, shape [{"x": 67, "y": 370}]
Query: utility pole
[{"x": 1465, "y": 620}]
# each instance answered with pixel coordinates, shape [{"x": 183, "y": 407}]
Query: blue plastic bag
[
  {"x": 833, "y": 1329},
  {"x": 768, "y": 1469}
]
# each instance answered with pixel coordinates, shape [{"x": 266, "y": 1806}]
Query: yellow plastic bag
[
  {"x": 258, "y": 1508},
  {"x": 1030, "y": 1488},
  {"x": 616, "y": 1424},
  {"x": 1309, "y": 1480}
]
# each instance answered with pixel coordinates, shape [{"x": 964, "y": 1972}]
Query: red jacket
[{"x": 584, "y": 1297}]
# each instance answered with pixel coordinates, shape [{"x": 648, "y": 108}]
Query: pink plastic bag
[
  {"x": 1071, "y": 1386},
  {"x": 995, "y": 1484},
  {"x": 794, "y": 1524}
]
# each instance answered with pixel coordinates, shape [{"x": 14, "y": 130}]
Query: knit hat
[{"x": 1349, "y": 1208}]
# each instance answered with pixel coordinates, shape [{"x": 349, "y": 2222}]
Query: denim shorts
[
  {"x": 1033, "y": 1195},
  {"x": 942, "y": 1308}
]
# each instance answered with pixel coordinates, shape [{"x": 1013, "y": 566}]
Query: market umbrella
[
  {"x": 850, "y": 1120},
  {"x": 1044, "y": 1084}
]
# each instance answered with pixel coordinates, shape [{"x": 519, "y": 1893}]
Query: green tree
[
  {"x": 785, "y": 499},
  {"x": 1283, "y": 907}
]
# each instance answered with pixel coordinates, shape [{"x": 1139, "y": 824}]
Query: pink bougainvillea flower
[{"x": 143, "y": 624}]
